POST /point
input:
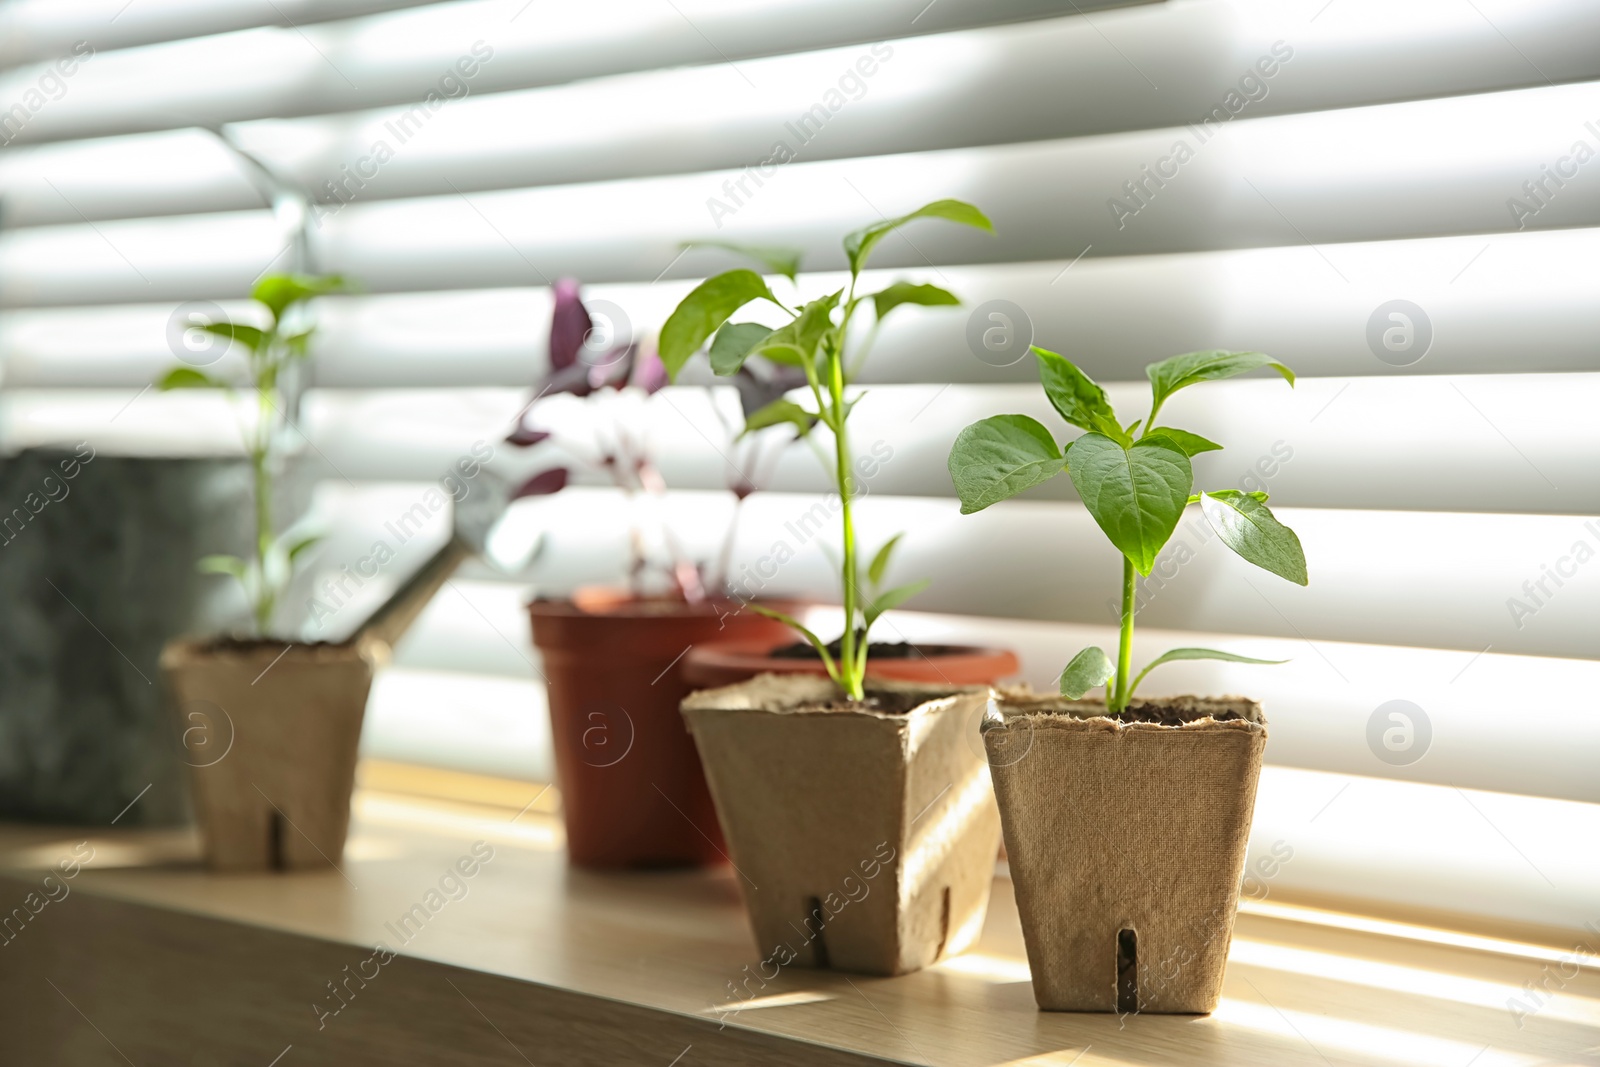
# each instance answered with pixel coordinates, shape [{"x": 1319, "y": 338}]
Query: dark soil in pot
[{"x": 728, "y": 661}]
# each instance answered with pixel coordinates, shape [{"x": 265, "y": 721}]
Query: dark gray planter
[{"x": 92, "y": 585}]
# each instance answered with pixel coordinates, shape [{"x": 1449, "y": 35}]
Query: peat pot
[
  {"x": 1126, "y": 842},
  {"x": 632, "y": 791},
  {"x": 863, "y": 837},
  {"x": 270, "y": 730}
]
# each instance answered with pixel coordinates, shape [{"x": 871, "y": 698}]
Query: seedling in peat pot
[
  {"x": 1135, "y": 487},
  {"x": 815, "y": 341}
]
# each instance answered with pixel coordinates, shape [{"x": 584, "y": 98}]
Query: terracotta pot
[
  {"x": 723, "y": 663},
  {"x": 864, "y": 840},
  {"x": 632, "y": 791},
  {"x": 271, "y": 731},
  {"x": 1127, "y": 844}
]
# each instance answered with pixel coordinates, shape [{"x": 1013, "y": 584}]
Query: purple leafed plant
[{"x": 583, "y": 365}]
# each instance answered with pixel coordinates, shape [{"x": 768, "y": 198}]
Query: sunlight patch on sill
[
  {"x": 1415, "y": 932},
  {"x": 1001, "y": 970},
  {"x": 1412, "y": 980},
  {"x": 1325, "y": 1032},
  {"x": 776, "y": 1000},
  {"x": 540, "y": 833}
]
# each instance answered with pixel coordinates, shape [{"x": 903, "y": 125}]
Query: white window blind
[{"x": 1336, "y": 157}]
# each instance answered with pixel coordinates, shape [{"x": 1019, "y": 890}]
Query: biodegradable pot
[
  {"x": 863, "y": 839},
  {"x": 1126, "y": 843},
  {"x": 271, "y": 731},
  {"x": 632, "y": 790},
  {"x": 727, "y": 662}
]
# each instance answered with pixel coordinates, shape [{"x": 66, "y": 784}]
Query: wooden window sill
[{"x": 147, "y": 959}]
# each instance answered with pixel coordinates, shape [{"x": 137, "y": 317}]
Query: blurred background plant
[
  {"x": 592, "y": 359},
  {"x": 275, "y": 352}
]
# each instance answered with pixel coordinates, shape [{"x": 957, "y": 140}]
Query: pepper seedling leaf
[
  {"x": 858, "y": 246},
  {"x": 1088, "y": 668},
  {"x": 1195, "y": 653},
  {"x": 1191, "y": 443},
  {"x": 188, "y": 378},
  {"x": 776, "y": 414},
  {"x": 1136, "y": 494},
  {"x": 705, "y": 309},
  {"x": 732, "y": 345},
  {"x": 784, "y": 261},
  {"x": 1248, "y": 526},
  {"x": 880, "y": 562},
  {"x": 797, "y": 342},
  {"x": 1170, "y": 375},
  {"x": 999, "y": 457},
  {"x": 1075, "y": 397},
  {"x": 890, "y": 599},
  {"x": 887, "y": 300}
]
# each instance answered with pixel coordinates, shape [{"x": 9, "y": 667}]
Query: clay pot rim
[
  {"x": 611, "y": 602},
  {"x": 1060, "y": 713},
  {"x": 765, "y": 695}
]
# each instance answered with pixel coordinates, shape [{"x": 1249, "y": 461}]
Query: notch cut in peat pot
[
  {"x": 863, "y": 834},
  {"x": 1126, "y": 838}
]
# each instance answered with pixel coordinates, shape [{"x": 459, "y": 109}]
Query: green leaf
[
  {"x": 699, "y": 314},
  {"x": 1074, "y": 396},
  {"x": 1088, "y": 668},
  {"x": 999, "y": 457},
  {"x": 294, "y": 549},
  {"x": 777, "y": 413},
  {"x": 899, "y": 293},
  {"x": 797, "y": 342},
  {"x": 890, "y": 599},
  {"x": 784, "y": 261},
  {"x": 811, "y": 638},
  {"x": 188, "y": 378},
  {"x": 1195, "y": 653},
  {"x": 1136, "y": 494},
  {"x": 1191, "y": 443},
  {"x": 880, "y": 562},
  {"x": 248, "y": 336},
  {"x": 230, "y": 565},
  {"x": 1170, "y": 375},
  {"x": 300, "y": 343},
  {"x": 732, "y": 345},
  {"x": 1248, "y": 526},
  {"x": 278, "y": 291},
  {"x": 859, "y": 245}
]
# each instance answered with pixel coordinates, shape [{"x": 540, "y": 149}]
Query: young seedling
[
  {"x": 815, "y": 340},
  {"x": 270, "y": 352},
  {"x": 1135, "y": 487}
]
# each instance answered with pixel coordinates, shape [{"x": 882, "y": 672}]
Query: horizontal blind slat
[
  {"x": 283, "y": 70},
  {"x": 1287, "y": 181},
  {"x": 1046, "y": 80},
  {"x": 1329, "y": 443},
  {"x": 32, "y": 30},
  {"x": 1505, "y": 303}
]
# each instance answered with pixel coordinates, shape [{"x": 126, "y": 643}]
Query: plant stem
[
  {"x": 261, "y": 485},
  {"x": 852, "y": 665},
  {"x": 1119, "y": 700}
]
